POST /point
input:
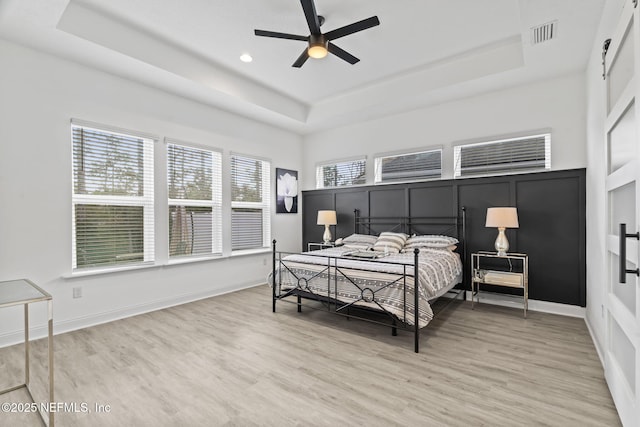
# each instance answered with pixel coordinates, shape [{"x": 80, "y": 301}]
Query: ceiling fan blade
[
  {"x": 343, "y": 54},
  {"x": 301, "y": 59},
  {"x": 312, "y": 16},
  {"x": 277, "y": 35},
  {"x": 352, "y": 28}
]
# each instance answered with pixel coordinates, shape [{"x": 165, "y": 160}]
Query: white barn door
[{"x": 622, "y": 129}]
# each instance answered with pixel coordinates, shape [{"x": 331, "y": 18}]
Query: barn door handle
[{"x": 623, "y": 253}]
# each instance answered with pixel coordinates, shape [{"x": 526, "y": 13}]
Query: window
[
  {"x": 503, "y": 156},
  {"x": 408, "y": 167},
  {"x": 250, "y": 203},
  {"x": 112, "y": 197},
  {"x": 194, "y": 177},
  {"x": 340, "y": 174}
]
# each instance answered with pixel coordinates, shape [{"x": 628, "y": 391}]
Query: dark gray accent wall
[{"x": 551, "y": 210}]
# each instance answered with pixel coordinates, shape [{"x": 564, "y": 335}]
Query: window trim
[
  {"x": 335, "y": 162},
  {"x": 457, "y": 147},
  {"x": 264, "y": 205},
  {"x": 114, "y": 129},
  {"x": 377, "y": 160},
  {"x": 215, "y": 203},
  {"x": 147, "y": 201}
]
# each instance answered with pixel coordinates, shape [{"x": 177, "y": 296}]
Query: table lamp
[
  {"x": 327, "y": 218},
  {"x": 502, "y": 218}
]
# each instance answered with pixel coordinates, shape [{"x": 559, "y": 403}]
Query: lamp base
[
  {"x": 327, "y": 235},
  {"x": 502, "y": 244}
]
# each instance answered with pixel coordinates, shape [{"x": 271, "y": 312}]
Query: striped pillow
[
  {"x": 430, "y": 241},
  {"x": 390, "y": 242},
  {"x": 360, "y": 239}
]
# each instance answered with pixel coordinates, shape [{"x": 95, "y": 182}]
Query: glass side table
[
  {"x": 319, "y": 245},
  {"x": 504, "y": 274},
  {"x": 25, "y": 292}
]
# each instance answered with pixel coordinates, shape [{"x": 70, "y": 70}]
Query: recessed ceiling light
[{"x": 245, "y": 57}]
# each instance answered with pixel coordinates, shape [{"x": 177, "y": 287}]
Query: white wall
[
  {"x": 596, "y": 175},
  {"x": 556, "y": 104},
  {"x": 39, "y": 94}
]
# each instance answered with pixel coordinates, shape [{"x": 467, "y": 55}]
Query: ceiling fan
[{"x": 319, "y": 43}]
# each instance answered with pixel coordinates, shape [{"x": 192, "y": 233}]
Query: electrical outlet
[{"x": 77, "y": 292}]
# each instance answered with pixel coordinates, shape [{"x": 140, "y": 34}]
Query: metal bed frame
[{"x": 329, "y": 300}]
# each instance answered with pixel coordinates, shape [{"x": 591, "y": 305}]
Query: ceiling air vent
[{"x": 545, "y": 32}]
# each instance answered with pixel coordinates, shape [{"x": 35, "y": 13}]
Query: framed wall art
[{"x": 286, "y": 191}]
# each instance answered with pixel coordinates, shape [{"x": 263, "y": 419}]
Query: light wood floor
[{"x": 230, "y": 361}]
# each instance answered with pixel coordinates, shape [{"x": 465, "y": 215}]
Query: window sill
[
  {"x": 251, "y": 252},
  {"x": 192, "y": 259},
  {"x": 101, "y": 271},
  {"x": 170, "y": 263}
]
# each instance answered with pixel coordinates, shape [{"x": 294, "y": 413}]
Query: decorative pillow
[
  {"x": 360, "y": 239},
  {"x": 390, "y": 242},
  {"x": 430, "y": 241}
]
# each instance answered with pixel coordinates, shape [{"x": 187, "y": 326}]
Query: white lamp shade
[
  {"x": 327, "y": 218},
  {"x": 502, "y": 218}
]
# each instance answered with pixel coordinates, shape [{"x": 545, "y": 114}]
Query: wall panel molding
[{"x": 551, "y": 209}]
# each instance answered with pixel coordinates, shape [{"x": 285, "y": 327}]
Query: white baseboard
[
  {"x": 596, "y": 343},
  {"x": 37, "y": 332},
  {"x": 534, "y": 305}
]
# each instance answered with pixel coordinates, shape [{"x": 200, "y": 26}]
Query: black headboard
[{"x": 454, "y": 226}]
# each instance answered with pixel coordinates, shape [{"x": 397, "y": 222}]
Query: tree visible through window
[
  {"x": 246, "y": 179},
  {"x": 341, "y": 174},
  {"x": 195, "y": 200},
  {"x": 250, "y": 203},
  {"x": 112, "y": 198}
]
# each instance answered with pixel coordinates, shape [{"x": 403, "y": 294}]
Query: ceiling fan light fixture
[
  {"x": 317, "y": 52},
  {"x": 320, "y": 44},
  {"x": 317, "y": 46}
]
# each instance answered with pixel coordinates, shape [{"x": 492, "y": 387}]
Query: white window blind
[
  {"x": 407, "y": 167},
  {"x": 341, "y": 174},
  {"x": 250, "y": 203},
  {"x": 112, "y": 198},
  {"x": 194, "y": 177},
  {"x": 503, "y": 156}
]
